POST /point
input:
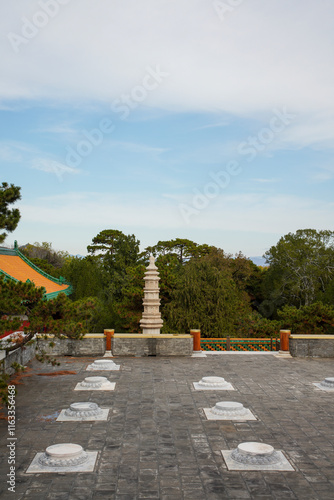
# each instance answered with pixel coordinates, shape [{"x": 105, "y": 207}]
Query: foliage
[
  {"x": 301, "y": 268},
  {"x": 255, "y": 326},
  {"x": 182, "y": 249},
  {"x": 116, "y": 249},
  {"x": 9, "y": 218},
  {"x": 119, "y": 266},
  {"x": 86, "y": 275},
  {"x": 130, "y": 309},
  {"x": 61, "y": 316},
  {"x": 206, "y": 297},
  {"x": 16, "y": 299},
  {"x": 4, "y": 379},
  {"x": 314, "y": 319},
  {"x": 43, "y": 255}
]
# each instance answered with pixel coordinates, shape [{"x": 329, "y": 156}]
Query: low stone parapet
[
  {"x": 92, "y": 344},
  {"x": 314, "y": 346},
  {"x": 152, "y": 345},
  {"x": 122, "y": 344}
]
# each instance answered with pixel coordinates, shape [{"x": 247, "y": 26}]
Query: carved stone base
[
  {"x": 326, "y": 385},
  {"x": 256, "y": 456},
  {"x": 95, "y": 384},
  {"x": 102, "y": 364},
  {"x": 213, "y": 383},
  {"x": 83, "y": 410},
  {"x": 63, "y": 455},
  {"x": 229, "y": 408}
]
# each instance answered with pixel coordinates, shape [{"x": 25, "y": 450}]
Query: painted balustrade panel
[{"x": 240, "y": 344}]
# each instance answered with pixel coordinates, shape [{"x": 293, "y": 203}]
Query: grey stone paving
[{"x": 157, "y": 443}]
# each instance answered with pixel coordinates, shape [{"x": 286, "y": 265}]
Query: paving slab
[{"x": 157, "y": 443}]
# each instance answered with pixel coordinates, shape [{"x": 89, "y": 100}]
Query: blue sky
[{"x": 199, "y": 119}]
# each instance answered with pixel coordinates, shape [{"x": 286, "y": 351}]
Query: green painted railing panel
[{"x": 234, "y": 344}]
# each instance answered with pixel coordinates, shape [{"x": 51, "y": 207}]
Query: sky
[{"x": 201, "y": 119}]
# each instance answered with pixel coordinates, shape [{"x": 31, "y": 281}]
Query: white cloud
[
  {"x": 137, "y": 148},
  {"x": 14, "y": 151},
  {"x": 265, "y": 181},
  {"x": 265, "y": 55},
  {"x": 324, "y": 173},
  {"x": 252, "y": 212},
  {"x": 53, "y": 167}
]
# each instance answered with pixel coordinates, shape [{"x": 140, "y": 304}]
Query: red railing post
[
  {"x": 108, "y": 334},
  {"x": 196, "y": 334},
  {"x": 284, "y": 340}
]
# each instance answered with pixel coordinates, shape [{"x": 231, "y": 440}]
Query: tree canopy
[
  {"x": 9, "y": 218},
  {"x": 301, "y": 267}
]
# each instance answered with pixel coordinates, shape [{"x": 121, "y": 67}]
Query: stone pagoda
[{"x": 151, "y": 321}]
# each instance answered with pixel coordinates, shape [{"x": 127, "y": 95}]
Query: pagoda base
[
  {"x": 151, "y": 331},
  {"x": 139, "y": 345}
]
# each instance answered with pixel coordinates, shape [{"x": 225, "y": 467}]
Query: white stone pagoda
[{"x": 151, "y": 321}]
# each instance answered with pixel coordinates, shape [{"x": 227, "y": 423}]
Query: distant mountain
[{"x": 259, "y": 261}]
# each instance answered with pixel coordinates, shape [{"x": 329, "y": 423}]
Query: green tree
[
  {"x": 45, "y": 257},
  {"x": 57, "y": 316},
  {"x": 9, "y": 218},
  {"x": 87, "y": 276},
  {"x": 315, "y": 319},
  {"x": 116, "y": 249},
  {"x": 206, "y": 297},
  {"x": 121, "y": 271},
  {"x": 182, "y": 248},
  {"x": 301, "y": 268},
  {"x": 16, "y": 299}
]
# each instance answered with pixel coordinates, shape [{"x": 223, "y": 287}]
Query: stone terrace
[{"x": 157, "y": 443}]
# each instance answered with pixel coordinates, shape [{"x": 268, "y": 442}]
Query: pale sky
[{"x": 200, "y": 119}]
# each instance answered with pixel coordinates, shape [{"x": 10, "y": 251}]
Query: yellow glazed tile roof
[{"x": 20, "y": 270}]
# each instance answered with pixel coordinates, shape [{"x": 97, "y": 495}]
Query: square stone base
[
  {"x": 108, "y": 386},
  {"x": 227, "y": 387},
  {"x": 36, "y": 468},
  {"x": 198, "y": 354},
  {"x": 248, "y": 415},
  {"x": 65, "y": 418},
  {"x": 114, "y": 368},
  {"x": 284, "y": 465},
  {"x": 322, "y": 388}
]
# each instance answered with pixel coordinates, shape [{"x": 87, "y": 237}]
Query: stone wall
[
  {"x": 315, "y": 346},
  {"x": 22, "y": 356},
  {"x": 95, "y": 345},
  {"x": 90, "y": 345},
  {"x": 152, "y": 345}
]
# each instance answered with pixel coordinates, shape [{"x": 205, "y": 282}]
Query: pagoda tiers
[
  {"x": 16, "y": 267},
  {"x": 151, "y": 321}
]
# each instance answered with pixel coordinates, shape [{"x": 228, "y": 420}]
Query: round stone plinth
[
  {"x": 212, "y": 382},
  {"x": 63, "y": 455},
  {"x": 85, "y": 409},
  {"x": 229, "y": 409},
  {"x": 94, "y": 382},
  {"x": 102, "y": 364},
  {"x": 328, "y": 383},
  {"x": 252, "y": 453}
]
